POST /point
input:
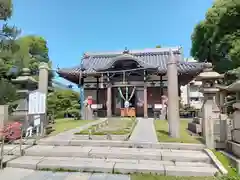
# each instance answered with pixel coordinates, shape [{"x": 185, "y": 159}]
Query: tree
[
  {"x": 158, "y": 46},
  {"x": 217, "y": 38},
  {"x": 63, "y": 101},
  {"x": 32, "y": 51},
  {"x": 5, "y": 9}
]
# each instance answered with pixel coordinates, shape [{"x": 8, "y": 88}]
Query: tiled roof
[{"x": 156, "y": 58}]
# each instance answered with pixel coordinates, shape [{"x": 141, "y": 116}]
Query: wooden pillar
[
  {"x": 145, "y": 108},
  {"x": 97, "y": 92},
  {"x": 161, "y": 87},
  {"x": 109, "y": 98}
]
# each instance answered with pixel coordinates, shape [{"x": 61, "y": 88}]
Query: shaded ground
[
  {"x": 115, "y": 127},
  {"x": 161, "y": 127},
  {"x": 66, "y": 124}
]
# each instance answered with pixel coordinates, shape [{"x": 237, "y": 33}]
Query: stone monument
[
  {"x": 3, "y": 118},
  {"x": 234, "y": 144},
  {"x": 210, "y": 110}
]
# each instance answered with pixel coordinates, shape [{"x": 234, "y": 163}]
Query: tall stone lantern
[
  {"x": 25, "y": 84},
  {"x": 210, "y": 110}
]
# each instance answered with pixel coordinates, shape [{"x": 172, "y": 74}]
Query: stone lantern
[
  {"x": 25, "y": 83},
  {"x": 210, "y": 110}
]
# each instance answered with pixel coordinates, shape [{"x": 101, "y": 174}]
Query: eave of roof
[{"x": 155, "y": 59}]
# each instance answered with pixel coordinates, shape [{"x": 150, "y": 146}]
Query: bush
[{"x": 60, "y": 114}]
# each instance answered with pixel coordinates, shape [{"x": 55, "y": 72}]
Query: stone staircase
[{"x": 117, "y": 157}]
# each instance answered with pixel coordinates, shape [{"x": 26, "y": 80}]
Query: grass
[
  {"x": 115, "y": 127},
  {"x": 226, "y": 162},
  {"x": 65, "y": 124},
  {"x": 160, "y": 177},
  {"x": 161, "y": 127}
]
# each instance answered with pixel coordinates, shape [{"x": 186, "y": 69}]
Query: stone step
[
  {"x": 113, "y": 166},
  {"x": 13, "y": 149},
  {"x": 26, "y": 174},
  {"x": 118, "y": 153},
  {"x": 112, "y": 143},
  {"x": 7, "y": 158}
]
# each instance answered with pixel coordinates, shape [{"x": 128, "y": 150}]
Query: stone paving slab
[
  {"x": 185, "y": 157},
  {"x": 127, "y": 144},
  {"x": 39, "y": 175},
  {"x": 110, "y": 165},
  {"x": 118, "y": 153},
  {"x": 76, "y": 165},
  {"x": 14, "y": 173},
  {"x": 26, "y": 174},
  {"x": 58, "y": 176},
  {"x": 7, "y": 158},
  {"x": 138, "y": 168},
  {"x": 126, "y": 155},
  {"x": 78, "y": 176},
  {"x": 144, "y": 131},
  {"x": 189, "y": 171},
  {"x": 193, "y": 164},
  {"x": 13, "y": 149},
  {"x": 27, "y": 162}
]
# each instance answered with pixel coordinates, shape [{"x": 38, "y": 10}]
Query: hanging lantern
[{"x": 89, "y": 100}]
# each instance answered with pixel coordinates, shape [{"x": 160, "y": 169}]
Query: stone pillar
[
  {"x": 222, "y": 101},
  {"x": 210, "y": 110},
  {"x": 43, "y": 78},
  {"x": 3, "y": 118},
  {"x": 109, "y": 100},
  {"x": 173, "y": 99},
  {"x": 217, "y": 99},
  {"x": 145, "y": 107},
  {"x": 43, "y": 88}
]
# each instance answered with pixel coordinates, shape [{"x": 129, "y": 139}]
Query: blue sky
[{"x": 75, "y": 26}]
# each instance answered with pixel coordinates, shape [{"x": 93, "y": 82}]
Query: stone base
[
  {"x": 195, "y": 128},
  {"x": 233, "y": 148},
  {"x": 236, "y": 136}
]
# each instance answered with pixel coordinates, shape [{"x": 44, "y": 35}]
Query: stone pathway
[
  {"x": 26, "y": 174},
  {"x": 144, "y": 131}
]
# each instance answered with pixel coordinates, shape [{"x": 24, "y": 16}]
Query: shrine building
[{"x": 138, "y": 77}]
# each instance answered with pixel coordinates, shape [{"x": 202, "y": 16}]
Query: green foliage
[
  {"x": 63, "y": 101},
  {"x": 158, "y": 46},
  {"x": 5, "y": 9},
  {"x": 27, "y": 51},
  {"x": 7, "y": 92},
  {"x": 217, "y": 38}
]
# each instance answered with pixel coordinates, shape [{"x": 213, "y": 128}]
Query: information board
[{"x": 37, "y": 103}]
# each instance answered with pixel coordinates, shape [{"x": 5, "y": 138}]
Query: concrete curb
[
  {"x": 216, "y": 162},
  {"x": 132, "y": 128},
  {"x": 234, "y": 159}
]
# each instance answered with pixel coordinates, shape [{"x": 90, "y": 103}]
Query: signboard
[
  {"x": 36, "y": 120},
  {"x": 37, "y": 103}
]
